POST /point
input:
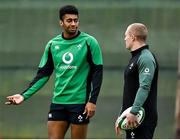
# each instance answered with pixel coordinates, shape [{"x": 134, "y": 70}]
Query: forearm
[
  {"x": 141, "y": 97},
  {"x": 33, "y": 88},
  {"x": 97, "y": 77}
]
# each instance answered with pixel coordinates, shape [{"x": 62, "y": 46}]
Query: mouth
[{"x": 73, "y": 29}]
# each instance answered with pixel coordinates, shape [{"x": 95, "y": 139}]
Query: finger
[
  {"x": 91, "y": 113},
  {"x": 129, "y": 125},
  {"x": 8, "y": 103},
  {"x": 84, "y": 111},
  {"x": 136, "y": 124},
  {"x": 87, "y": 115},
  {"x": 132, "y": 125},
  {"x": 9, "y": 97},
  {"x": 117, "y": 129}
]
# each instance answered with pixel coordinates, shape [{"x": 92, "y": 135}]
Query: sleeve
[
  {"x": 146, "y": 68},
  {"x": 45, "y": 69},
  {"x": 96, "y": 68}
]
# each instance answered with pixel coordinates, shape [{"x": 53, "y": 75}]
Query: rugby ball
[{"x": 122, "y": 121}]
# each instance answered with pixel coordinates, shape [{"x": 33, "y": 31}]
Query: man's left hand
[
  {"x": 131, "y": 120},
  {"x": 90, "y": 109}
]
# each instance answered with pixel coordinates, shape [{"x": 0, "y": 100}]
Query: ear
[
  {"x": 60, "y": 23},
  {"x": 133, "y": 37}
]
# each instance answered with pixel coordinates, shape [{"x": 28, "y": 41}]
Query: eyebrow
[{"x": 72, "y": 18}]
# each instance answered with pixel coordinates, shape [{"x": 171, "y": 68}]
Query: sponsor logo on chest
[{"x": 68, "y": 57}]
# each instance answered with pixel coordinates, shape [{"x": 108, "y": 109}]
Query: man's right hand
[{"x": 14, "y": 99}]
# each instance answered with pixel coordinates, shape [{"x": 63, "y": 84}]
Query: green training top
[{"x": 77, "y": 64}]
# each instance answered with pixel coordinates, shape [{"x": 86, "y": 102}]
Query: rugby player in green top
[
  {"x": 140, "y": 84},
  {"x": 76, "y": 59}
]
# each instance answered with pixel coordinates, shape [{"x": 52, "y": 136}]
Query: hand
[
  {"x": 117, "y": 128},
  {"x": 131, "y": 120},
  {"x": 90, "y": 109},
  {"x": 14, "y": 99}
]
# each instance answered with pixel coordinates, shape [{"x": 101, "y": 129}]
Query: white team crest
[
  {"x": 132, "y": 135},
  {"x": 132, "y": 64},
  {"x": 57, "y": 47},
  {"x": 80, "y": 118},
  {"x": 67, "y": 57},
  {"x": 79, "y": 46},
  {"x": 49, "y": 115}
]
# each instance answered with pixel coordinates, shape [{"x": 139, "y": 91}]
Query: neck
[
  {"x": 69, "y": 35},
  {"x": 137, "y": 45}
]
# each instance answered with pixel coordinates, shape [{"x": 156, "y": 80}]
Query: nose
[{"x": 73, "y": 23}]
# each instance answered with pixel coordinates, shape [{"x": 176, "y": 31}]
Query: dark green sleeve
[
  {"x": 96, "y": 65},
  {"x": 146, "y": 68},
  {"x": 44, "y": 71}
]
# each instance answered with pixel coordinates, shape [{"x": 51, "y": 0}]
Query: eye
[
  {"x": 69, "y": 20},
  {"x": 75, "y": 20}
]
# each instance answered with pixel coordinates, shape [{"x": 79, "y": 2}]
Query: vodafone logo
[
  {"x": 67, "y": 58},
  {"x": 147, "y": 71}
]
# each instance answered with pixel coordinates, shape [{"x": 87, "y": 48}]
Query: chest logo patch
[
  {"x": 57, "y": 47},
  {"x": 79, "y": 46},
  {"x": 132, "y": 64},
  {"x": 67, "y": 58}
]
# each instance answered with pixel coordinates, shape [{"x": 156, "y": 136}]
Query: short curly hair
[{"x": 67, "y": 9}]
